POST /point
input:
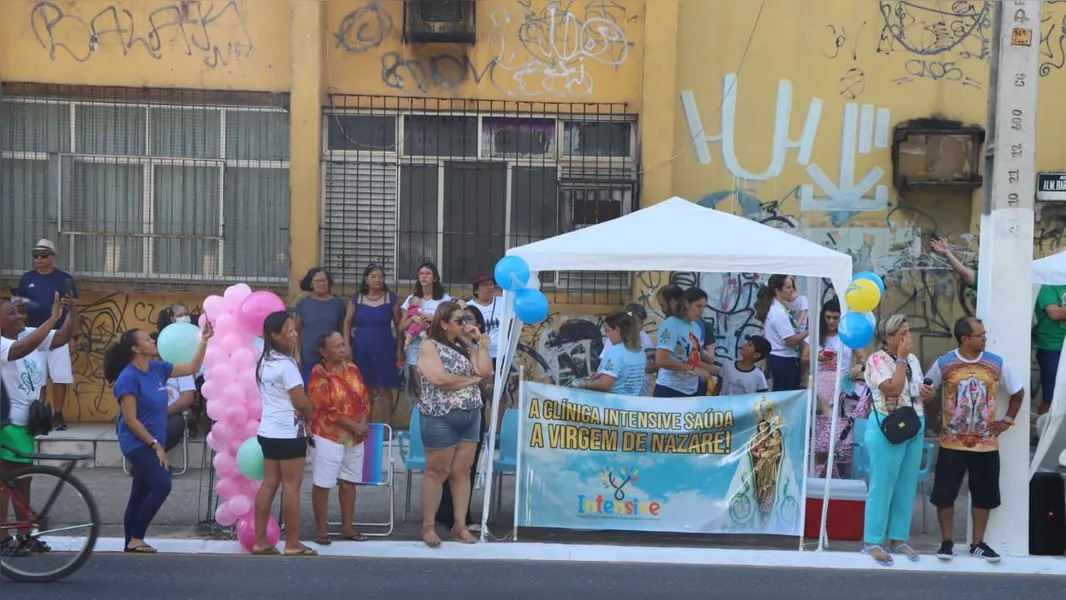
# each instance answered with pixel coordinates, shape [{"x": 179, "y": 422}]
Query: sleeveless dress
[{"x": 374, "y": 345}]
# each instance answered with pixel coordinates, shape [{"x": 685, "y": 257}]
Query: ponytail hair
[
  {"x": 627, "y": 324},
  {"x": 272, "y": 325},
  {"x": 767, "y": 294},
  {"x": 119, "y": 355}
]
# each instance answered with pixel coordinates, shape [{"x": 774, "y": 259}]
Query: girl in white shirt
[
  {"x": 283, "y": 433},
  {"x": 782, "y": 331}
]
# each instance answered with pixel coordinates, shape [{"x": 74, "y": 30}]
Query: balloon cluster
[
  {"x": 512, "y": 274},
  {"x": 856, "y": 329},
  {"x": 234, "y": 404}
]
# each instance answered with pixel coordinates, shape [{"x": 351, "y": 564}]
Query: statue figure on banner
[{"x": 762, "y": 494}]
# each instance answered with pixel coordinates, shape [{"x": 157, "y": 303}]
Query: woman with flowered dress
[{"x": 342, "y": 411}]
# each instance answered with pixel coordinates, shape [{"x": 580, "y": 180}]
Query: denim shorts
[
  {"x": 412, "y": 351},
  {"x": 443, "y": 433}
]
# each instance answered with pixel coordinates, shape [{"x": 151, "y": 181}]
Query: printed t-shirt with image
[
  {"x": 627, "y": 368},
  {"x": 645, "y": 342},
  {"x": 969, "y": 404},
  {"x": 24, "y": 378}
]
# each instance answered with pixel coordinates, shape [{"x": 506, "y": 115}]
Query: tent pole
[{"x": 814, "y": 291}]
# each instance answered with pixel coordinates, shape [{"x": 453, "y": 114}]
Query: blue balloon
[
  {"x": 512, "y": 273},
  {"x": 874, "y": 277},
  {"x": 531, "y": 306},
  {"x": 856, "y": 330}
]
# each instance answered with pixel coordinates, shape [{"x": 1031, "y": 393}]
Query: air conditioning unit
[{"x": 439, "y": 21}]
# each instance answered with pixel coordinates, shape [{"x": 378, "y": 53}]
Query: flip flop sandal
[
  {"x": 432, "y": 543},
  {"x": 322, "y": 541},
  {"x": 886, "y": 561},
  {"x": 271, "y": 551},
  {"x": 459, "y": 538},
  {"x": 906, "y": 550},
  {"x": 142, "y": 549},
  {"x": 305, "y": 551},
  {"x": 355, "y": 537}
]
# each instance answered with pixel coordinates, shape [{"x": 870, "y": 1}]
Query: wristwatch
[
  {"x": 154, "y": 443},
  {"x": 1009, "y": 420}
]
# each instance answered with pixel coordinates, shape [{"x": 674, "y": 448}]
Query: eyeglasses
[
  {"x": 41, "y": 255},
  {"x": 982, "y": 335}
]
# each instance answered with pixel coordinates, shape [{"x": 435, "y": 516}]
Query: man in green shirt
[{"x": 1050, "y": 333}]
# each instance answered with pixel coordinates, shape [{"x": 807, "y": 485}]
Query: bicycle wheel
[{"x": 59, "y": 506}]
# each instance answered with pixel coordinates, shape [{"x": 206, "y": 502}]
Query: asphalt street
[{"x": 164, "y": 577}]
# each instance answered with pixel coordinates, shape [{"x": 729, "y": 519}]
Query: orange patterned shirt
[{"x": 335, "y": 394}]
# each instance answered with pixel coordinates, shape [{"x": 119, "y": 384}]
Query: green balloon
[
  {"x": 250, "y": 459},
  {"x": 178, "y": 342}
]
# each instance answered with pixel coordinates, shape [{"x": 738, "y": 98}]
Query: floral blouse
[
  {"x": 335, "y": 394},
  {"x": 880, "y": 367},
  {"x": 437, "y": 402}
]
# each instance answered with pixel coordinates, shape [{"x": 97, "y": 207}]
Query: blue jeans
[
  {"x": 893, "y": 483},
  {"x": 1049, "y": 368},
  {"x": 784, "y": 372},
  {"x": 151, "y": 486}
]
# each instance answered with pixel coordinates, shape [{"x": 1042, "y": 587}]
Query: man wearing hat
[
  {"x": 39, "y": 287},
  {"x": 491, "y": 307}
]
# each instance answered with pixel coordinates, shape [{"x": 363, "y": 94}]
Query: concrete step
[{"x": 100, "y": 441}]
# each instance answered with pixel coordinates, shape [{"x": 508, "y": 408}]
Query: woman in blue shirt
[
  {"x": 622, "y": 366},
  {"x": 679, "y": 353},
  {"x": 140, "y": 385}
]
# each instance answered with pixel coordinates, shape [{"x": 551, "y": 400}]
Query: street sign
[{"x": 1051, "y": 187}]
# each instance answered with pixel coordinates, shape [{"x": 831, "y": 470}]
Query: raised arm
[
  {"x": 193, "y": 367},
  {"x": 34, "y": 340},
  {"x": 431, "y": 367}
]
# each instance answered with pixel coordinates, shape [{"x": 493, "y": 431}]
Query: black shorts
[
  {"x": 982, "y": 468},
  {"x": 283, "y": 449}
]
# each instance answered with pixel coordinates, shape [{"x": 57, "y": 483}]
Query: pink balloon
[
  {"x": 237, "y": 293},
  {"x": 211, "y": 389},
  {"x": 214, "y": 307},
  {"x": 233, "y": 393},
  {"x": 224, "y": 433},
  {"x": 225, "y": 324},
  {"x": 251, "y": 427},
  {"x": 225, "y": 463},
  {"x": 216, "y": 409},
  {"x": 244, "y": 359},
  {"x": 223, "y": 372},
  {"x": 228, "y": 487},
  {"x": 254, "y": 310},
  {"x": 214, "y": 443},
  {"x": 234, "y": 445},
  {"x": 202, "y": 321},
  {"x": 224, "y": 516},
  {"x": 255, "y": 410},
  {"x": 236, "y": 415},
  {"x": 247, "y": 379},
  {"x": 240, "y": 504},
  {"x": 232, "y": 342},
  {"x": 246, "y": 532}
]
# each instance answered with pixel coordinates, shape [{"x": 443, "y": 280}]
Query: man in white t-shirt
[
  {"x": 181, "y": 395},
  {"x": 491, "y": 307}
]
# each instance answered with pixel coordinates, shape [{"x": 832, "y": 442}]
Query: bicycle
[{"x": 29, "y": 537}]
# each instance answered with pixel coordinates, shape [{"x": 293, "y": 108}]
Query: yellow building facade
[{"x": 172, "y": 148}]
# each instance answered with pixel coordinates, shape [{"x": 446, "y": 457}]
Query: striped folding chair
[{"x": 378, "y": 471}]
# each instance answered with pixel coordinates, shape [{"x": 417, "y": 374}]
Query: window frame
[
  {"x": 148, "y": 198},
  {"x": 563, "y": 162}
]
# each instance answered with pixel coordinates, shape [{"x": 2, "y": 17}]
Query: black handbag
[
  {"x": 901, "y": 425},
  {"x": 41, "y": 419}
]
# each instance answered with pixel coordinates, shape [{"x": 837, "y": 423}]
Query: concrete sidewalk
[{"x": 188, "y": 504}]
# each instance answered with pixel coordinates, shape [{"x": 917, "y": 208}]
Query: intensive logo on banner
[{"x": 598, "y": 461}]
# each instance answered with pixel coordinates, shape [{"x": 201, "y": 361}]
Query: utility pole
[{"x": 1006, "y": 248}]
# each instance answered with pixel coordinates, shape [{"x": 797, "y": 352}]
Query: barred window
[
  {"x": 461, "y": 181},
  {"x": 168, "y": 185}
]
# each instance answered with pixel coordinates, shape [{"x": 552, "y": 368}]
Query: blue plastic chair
[
  {"x": 508, "y": 460},
  {"x": 860, "y": 460},
  {"x": 923, "y": 479},
  {"x": 414, "y": 459}
]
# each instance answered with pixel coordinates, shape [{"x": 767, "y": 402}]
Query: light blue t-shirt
[
  {"x": 684, "y": 340},
  {"x": 627, "y": 368}
]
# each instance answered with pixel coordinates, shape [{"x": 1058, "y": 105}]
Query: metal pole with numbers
[{"x": 1006, "y": 250}]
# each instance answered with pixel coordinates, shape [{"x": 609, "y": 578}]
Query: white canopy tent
[{"x": 674, "y": 235}]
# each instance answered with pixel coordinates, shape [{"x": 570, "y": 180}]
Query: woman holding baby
[{"x": 417, "y": 310}]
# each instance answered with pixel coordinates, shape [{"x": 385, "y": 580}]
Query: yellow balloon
[{"x": 863, "y": 295}]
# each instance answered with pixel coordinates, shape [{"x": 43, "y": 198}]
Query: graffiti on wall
[
  {"x": 214, "y": 32},
  {"x": 863, "y": 128},
  {"x": 535, "y": 48},
  {"x": 102, "y": 318}
]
